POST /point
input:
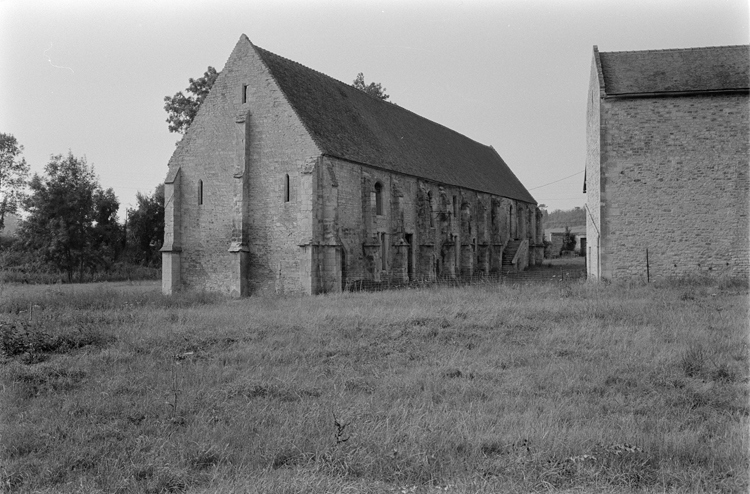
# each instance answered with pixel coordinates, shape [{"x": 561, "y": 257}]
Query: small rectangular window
[
  {"x": 200, "y": 191},
  {"x": 244, "y": 93},
  {"x": 286, "y": 188}
]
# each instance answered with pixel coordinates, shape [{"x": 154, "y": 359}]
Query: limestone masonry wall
[
  {"x": 424, "y": 229},
  {"x": 674, "y": 180},
  {"x": 593, "y": 171},
  {"x": 244, "y": 141}
]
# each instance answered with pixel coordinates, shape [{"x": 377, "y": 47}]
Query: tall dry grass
[{"x": 584, "y": 387}]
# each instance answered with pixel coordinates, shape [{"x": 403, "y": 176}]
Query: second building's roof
[
  {"x": 350, "y": 124},
  {"x": 715, "y": 68}
]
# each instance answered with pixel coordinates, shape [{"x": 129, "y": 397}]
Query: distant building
[
  {"x": 556, "y": 237},
  {"x": 290, "y": 181},
  {"x": 667, "y": 163}
]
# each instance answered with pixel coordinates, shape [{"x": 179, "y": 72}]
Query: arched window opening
[
  {"x": 286, "y": 188},
  {"x": 379, "y": 199},
  {"x": 466, "y": 218},
  {"x": 200, "y": 191}
]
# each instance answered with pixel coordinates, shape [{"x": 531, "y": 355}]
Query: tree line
[
  {"x": 563, "y": 218},
  {"x": 69, "y": 224}
]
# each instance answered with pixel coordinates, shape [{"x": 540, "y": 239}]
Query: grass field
[{"x": 576, "y": 387}]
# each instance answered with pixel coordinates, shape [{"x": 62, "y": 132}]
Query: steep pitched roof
[
  {"x": 715, "y": 68},
  {"x": 349, "y": 124}
]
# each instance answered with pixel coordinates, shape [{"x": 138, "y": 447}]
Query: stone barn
[
  {"x": 289, "y": 181},
  {"x": 667, "y": 163}
]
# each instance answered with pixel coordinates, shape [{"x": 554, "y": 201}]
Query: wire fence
[{"x": 561, "y": 274}]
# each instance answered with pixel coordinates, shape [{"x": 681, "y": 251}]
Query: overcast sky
[{"x": 91, "y": 76}]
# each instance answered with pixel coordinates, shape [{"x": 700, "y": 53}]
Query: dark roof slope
[
  {"x": 716, "y": 68},
  {"x": 349, "y": 124}
]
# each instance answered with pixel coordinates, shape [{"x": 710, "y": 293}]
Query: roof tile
[
  {"x": 352, "y": 125},
  {"x": 712, "y": 68}
]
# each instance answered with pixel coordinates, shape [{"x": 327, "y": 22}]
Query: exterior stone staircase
[{"x": 508, "y": 254}]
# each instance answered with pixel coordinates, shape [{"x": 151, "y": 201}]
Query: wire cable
[{"x": 564, "y": 178}]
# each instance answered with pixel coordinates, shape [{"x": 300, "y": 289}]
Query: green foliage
[
  {"x": 72, "y": 221},
  {"x": 569, "y": 240},
  {"x": 145, "y": 228},
  {"x": 372, "y": 89},
  {"x": 181, "y": 109},
  {"x": 13, "y": 173},
  {"x": 560, "y": 218}
]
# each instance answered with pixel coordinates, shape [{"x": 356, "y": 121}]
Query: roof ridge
[
  {"x": 350, "y": 87},
  {"x": 695, "y": 48}
]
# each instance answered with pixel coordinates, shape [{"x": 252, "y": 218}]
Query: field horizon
[{"x": 545, "y": 387}]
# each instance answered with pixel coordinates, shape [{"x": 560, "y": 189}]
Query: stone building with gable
[
  {"x": 667, "y": 163},
  {"x": 289, "y": 181}
]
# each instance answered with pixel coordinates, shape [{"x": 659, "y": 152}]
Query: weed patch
[
  {"x": 276, "y": 391},
  {"x": 32, "y": 381},
  {"x": 693, "y": 361},
  {"x": 18, "y": 337}
]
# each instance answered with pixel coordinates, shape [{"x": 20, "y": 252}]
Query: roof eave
[
  {"x": 659, "y": 94},
  {"x": 370, "y": 165}
]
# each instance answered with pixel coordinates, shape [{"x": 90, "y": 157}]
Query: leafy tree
[
  {"x": 72, "y": 222},
  {"x": 107, "y": 235},
  {"x": 146, "y": 227},
  {"x": 13, "y": 173},
  {"x": 559, "y": 218},
  {"x": 372, "y": 89},
  {"x": 569, "y": 241},
  {"x": 181, "y": 109},
  {"x": 545, "y": 213}
]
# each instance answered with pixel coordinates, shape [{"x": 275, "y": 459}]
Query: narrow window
[
  {"x": 286, "y": 187},
  {"x": 510, "y": 222},
  {"x": 429, "y": 208},
  {"x": 244, "y": 93},
  {"x": 457, "y": 253},
  {"x": 383, "y": 252},
  {"x": 379, "y": 199},
  {"x": 200, "y": 191}
]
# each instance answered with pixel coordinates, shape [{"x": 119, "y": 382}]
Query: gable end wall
[{"x": 244, "y": 238}]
